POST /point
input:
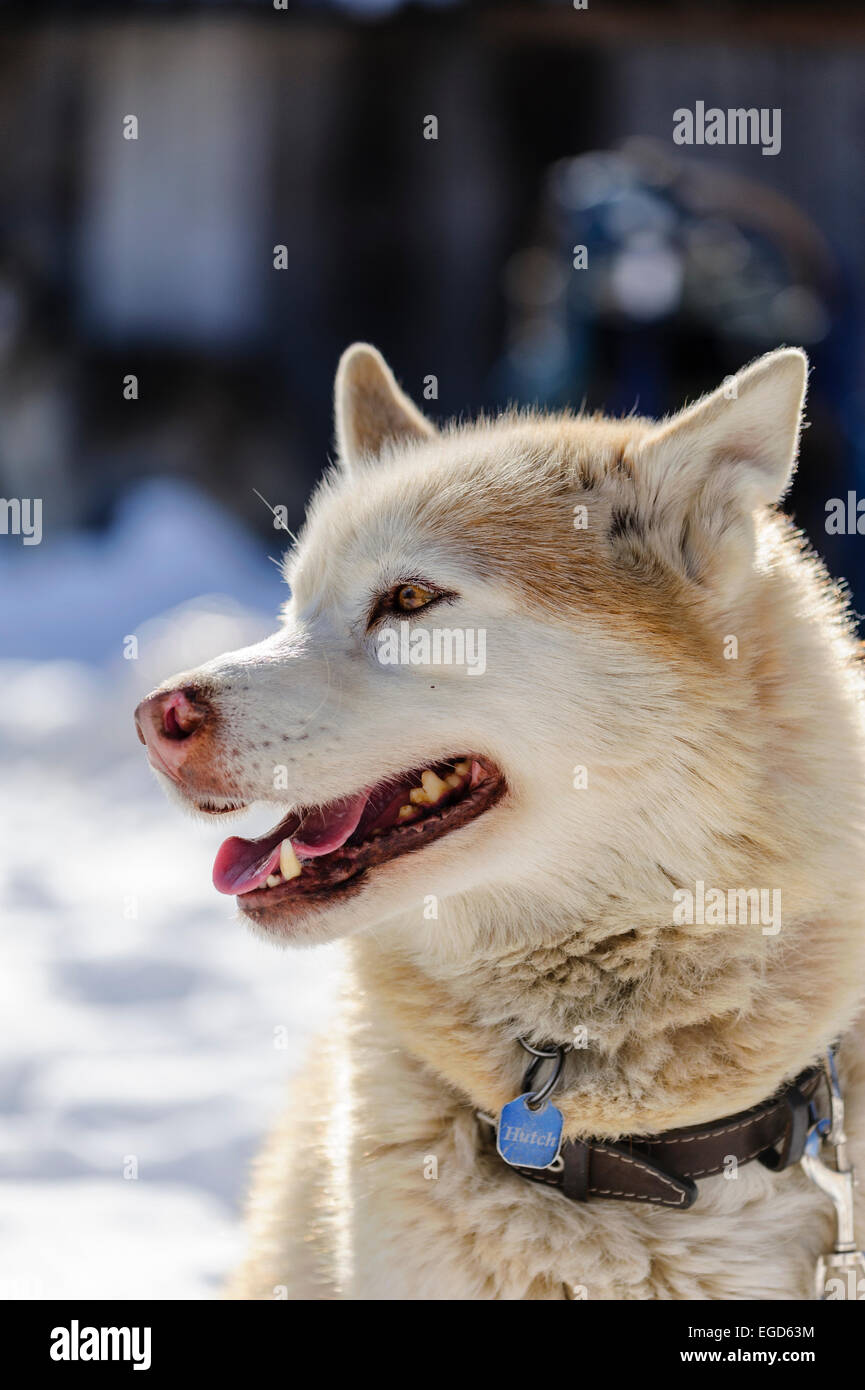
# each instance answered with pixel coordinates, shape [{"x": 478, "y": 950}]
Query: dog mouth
[{"x": 318, "y": 852}]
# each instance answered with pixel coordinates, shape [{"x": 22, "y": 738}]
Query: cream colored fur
[{"x": 608, "y": 648}]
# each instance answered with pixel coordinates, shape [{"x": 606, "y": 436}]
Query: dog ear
[
  {"x": 703, "y": 473},
  {"x": 371, "y": 410}
]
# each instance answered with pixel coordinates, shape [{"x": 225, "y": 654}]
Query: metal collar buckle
[{"x": 840, "y": 1273}]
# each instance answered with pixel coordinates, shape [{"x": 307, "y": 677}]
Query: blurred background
[{"x": 175, "y": 290}]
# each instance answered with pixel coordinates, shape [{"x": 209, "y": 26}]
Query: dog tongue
[
  {"x": 326, "y": 829},
  {"x": 243, "y": 865}
]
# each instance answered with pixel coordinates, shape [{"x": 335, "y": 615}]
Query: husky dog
[{"x": 552, "y": 843}]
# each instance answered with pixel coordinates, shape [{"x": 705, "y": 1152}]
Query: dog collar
[{"x": 660, "y": 1169}]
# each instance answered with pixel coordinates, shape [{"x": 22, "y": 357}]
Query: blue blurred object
[{"x": 654, "y": 275}]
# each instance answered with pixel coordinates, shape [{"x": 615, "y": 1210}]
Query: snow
[
  {"x": 76, "y": 596},
  {"x": 147, "y": 1037}
]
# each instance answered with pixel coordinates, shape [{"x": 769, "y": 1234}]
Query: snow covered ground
[{"x": 146, "y": 1036}]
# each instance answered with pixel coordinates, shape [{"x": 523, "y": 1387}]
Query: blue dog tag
[{"x": 529, "y": 1138}]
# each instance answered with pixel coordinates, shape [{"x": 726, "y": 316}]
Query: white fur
[{"x": 605, "y": 649}]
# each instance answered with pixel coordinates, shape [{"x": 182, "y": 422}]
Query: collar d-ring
[{"x": 537, "y": 1098}]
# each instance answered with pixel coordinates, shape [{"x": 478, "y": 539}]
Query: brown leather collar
[{"x": 662, "y": 1168}]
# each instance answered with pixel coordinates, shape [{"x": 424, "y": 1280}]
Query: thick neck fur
[{"x": 682, "y": 1023}]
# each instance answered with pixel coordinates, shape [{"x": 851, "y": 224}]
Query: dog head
[{"x": 483, "y": 623}]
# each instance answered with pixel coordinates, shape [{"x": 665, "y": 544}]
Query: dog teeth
[
  {"x": 433, "y": 785},
  {"x": 289, "y": 864},
  {"x": 273, "y": 880},
  {"x": 433, "y": 788}
]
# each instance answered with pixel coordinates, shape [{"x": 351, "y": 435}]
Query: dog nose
[{"x": 167, "y": 724}]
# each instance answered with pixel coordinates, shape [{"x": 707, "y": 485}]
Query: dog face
[{"x": 480, "y": 622}]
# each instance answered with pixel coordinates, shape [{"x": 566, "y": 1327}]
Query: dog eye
[
  {"x": 411, "y": 596},
  {"x": 407, "y": 598}
]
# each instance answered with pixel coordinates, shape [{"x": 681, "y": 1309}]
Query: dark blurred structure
[{"x": 303, "y": 127}]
